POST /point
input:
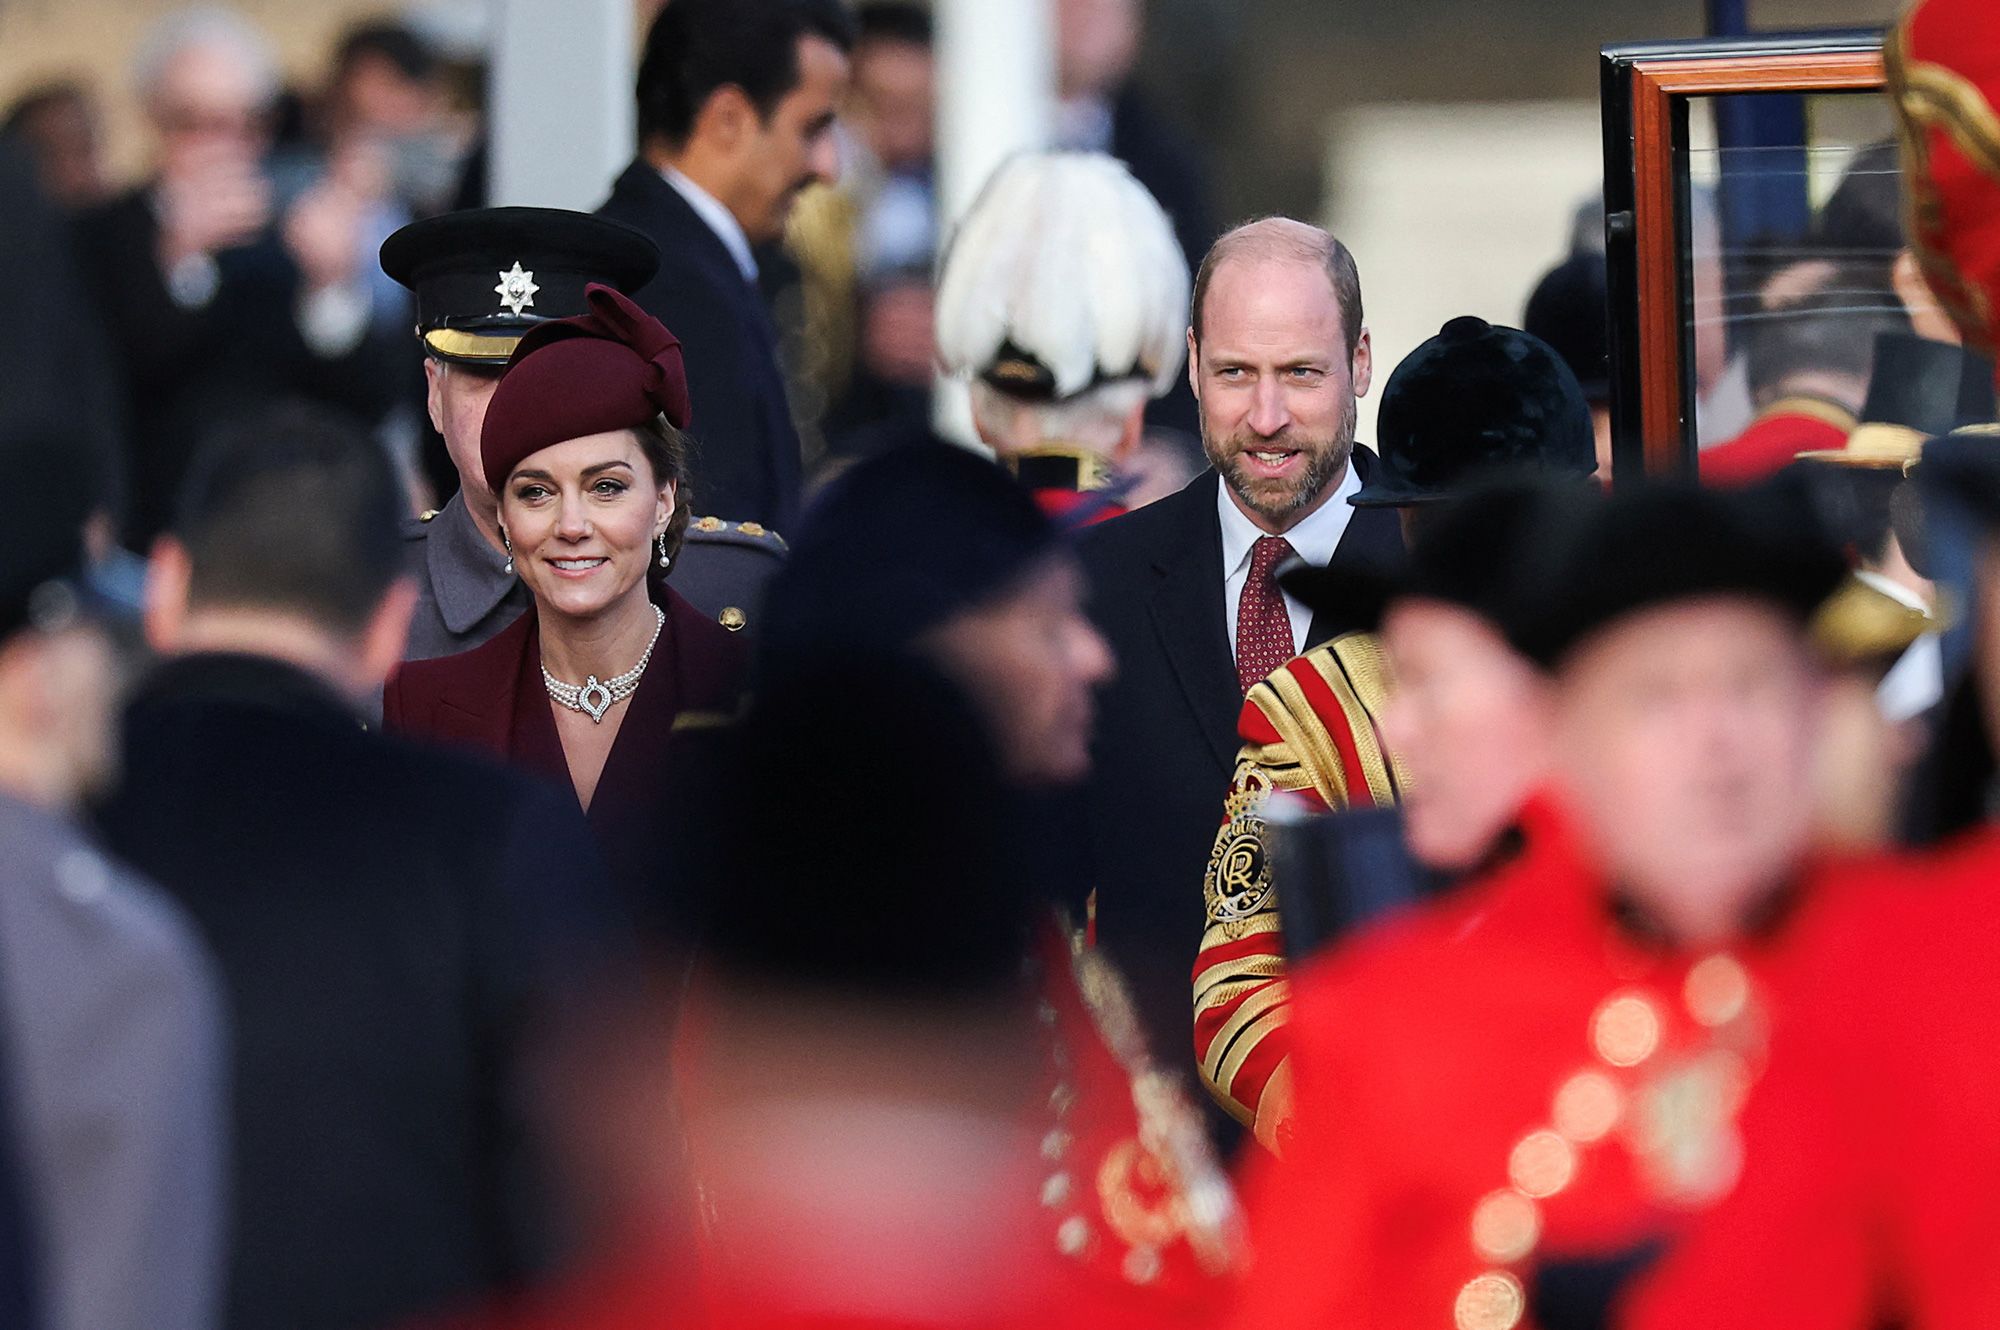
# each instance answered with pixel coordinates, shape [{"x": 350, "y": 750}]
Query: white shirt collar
[
  {"x": 1314, "y": 539},
  {"x": 1893, "y": 589},
  {"x": 720, "y": 220}
]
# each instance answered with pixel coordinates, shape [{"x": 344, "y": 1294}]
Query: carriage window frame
[{"x": 1646, "y": 90}]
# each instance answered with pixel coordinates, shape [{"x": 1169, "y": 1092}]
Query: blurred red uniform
[
  {"x": 1072, "y": 486},
  {"x": 1872, "y": 1191},
  {"x": 1098, "y": 1205},
  {"x": 1505, "y": 1099},
  {"x": 1781, "y": 431},
  {"x": 1942, "y": 63}
]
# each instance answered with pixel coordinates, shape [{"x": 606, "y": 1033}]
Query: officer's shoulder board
[{"x": 742, "y": 535}]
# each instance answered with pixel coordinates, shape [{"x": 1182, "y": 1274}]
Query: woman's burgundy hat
[{"x": 615, "y": 367}]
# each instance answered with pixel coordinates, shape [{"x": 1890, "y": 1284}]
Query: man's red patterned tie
[{"x": 1263, "y": 627}]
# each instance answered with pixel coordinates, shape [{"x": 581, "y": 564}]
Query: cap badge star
[{"x": 517, "y": 289}]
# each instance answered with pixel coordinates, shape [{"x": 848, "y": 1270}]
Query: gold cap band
[{"x": 478, "y": 348}]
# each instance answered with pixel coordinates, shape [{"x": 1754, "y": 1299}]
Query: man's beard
[{"x": 1280, "y": 502}]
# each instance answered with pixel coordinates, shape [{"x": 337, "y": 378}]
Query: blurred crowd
[{"x": 538, "y": 793}]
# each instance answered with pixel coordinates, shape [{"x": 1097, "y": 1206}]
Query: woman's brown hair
[{"x": 666, "y": 451}]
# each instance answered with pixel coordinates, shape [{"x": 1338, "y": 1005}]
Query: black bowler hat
[
  {"x": 1474, "y": 400},
  {"x": 1918, "y": 388},
  {"x": 1471, "y": 553},
  {"x": 1663, "y": 543},
  {"x": 484, "y": 276},
  {"x": 1570, "y": 311}
]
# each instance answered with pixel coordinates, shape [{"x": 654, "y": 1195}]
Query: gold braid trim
[
  {"x": 1374, "y": 679},
  {"x": 1248, "y": 1028},
  {"x": 1222, "y": 982},
  {"x": 1815, "y": 408},
  {"x": 1935, "y": 96},
  {"x": 1361, "y": 680},
  {"x": 1292, "y": 717},
  {"x": 1170, "y": 1153}
]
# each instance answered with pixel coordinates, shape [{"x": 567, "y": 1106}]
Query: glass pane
[{"x": 1796, "y": 229}]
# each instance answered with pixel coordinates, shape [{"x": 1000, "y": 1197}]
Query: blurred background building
[{"x": 1448, "y": 142}]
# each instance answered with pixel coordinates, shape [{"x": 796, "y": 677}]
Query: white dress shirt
[
  {"x": 1915, "y": 683},
  {"x": 1313, "y": 540},
  {"x": 720, "y": 220}
]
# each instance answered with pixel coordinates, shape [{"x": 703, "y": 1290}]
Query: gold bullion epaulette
[{"x": 750, "y": 535}]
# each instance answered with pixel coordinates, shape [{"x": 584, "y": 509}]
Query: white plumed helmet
[{"x": 1064, "y": 274}]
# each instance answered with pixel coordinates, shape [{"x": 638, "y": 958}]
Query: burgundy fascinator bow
[
  {"x": 615, "y": 367},
  {"x": 621, "y": 320}
]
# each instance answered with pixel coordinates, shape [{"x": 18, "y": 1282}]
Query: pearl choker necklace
[{"x": 593, "y": 697}]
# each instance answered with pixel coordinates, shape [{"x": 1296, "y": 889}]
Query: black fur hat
[
  {"x": 1664, "y": 543},
  {"x": 1472, "y": 400}
]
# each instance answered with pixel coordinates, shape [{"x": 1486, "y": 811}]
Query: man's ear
[
  {"x": 169, "y": 575},
  {"x": 1363, "y": 367},
  {"x": 434, "y": 392},
  {"x": 725, "y": 119},
  {"x": 388, "y": 632},
  {"x": 1194, "y": 364}
]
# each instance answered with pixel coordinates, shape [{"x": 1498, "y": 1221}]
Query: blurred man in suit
[
  {"x": 736, "y": 102},
  {"x": 218, "y": 297},
  {"x": 1186, "y": 590},
  {"x": 111, "y": 1087},
  {"x": 1102, "y": 109},
  {"x": 52, "y": 345},
  {"x": 386, "y": 918}
]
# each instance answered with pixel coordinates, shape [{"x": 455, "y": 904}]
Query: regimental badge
[
  {"x": 517, "y": 289},
  {"x": 1238, "y": 881}
]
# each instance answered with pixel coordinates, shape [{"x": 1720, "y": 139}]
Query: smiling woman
[{"x": 583, "y": 447}]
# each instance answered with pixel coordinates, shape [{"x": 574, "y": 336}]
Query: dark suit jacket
[
  {"x": 491, "y": 699},
  {"x": 1166, "y": 733},
  {"x": 1165, "y": 161},
  {"x": 746, "y": 462},
  {"x": 58, "y": 360},
  {"x": 386, "y": 919}
]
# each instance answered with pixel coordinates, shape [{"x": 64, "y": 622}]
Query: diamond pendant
[{"x": 595, "y": 699}]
